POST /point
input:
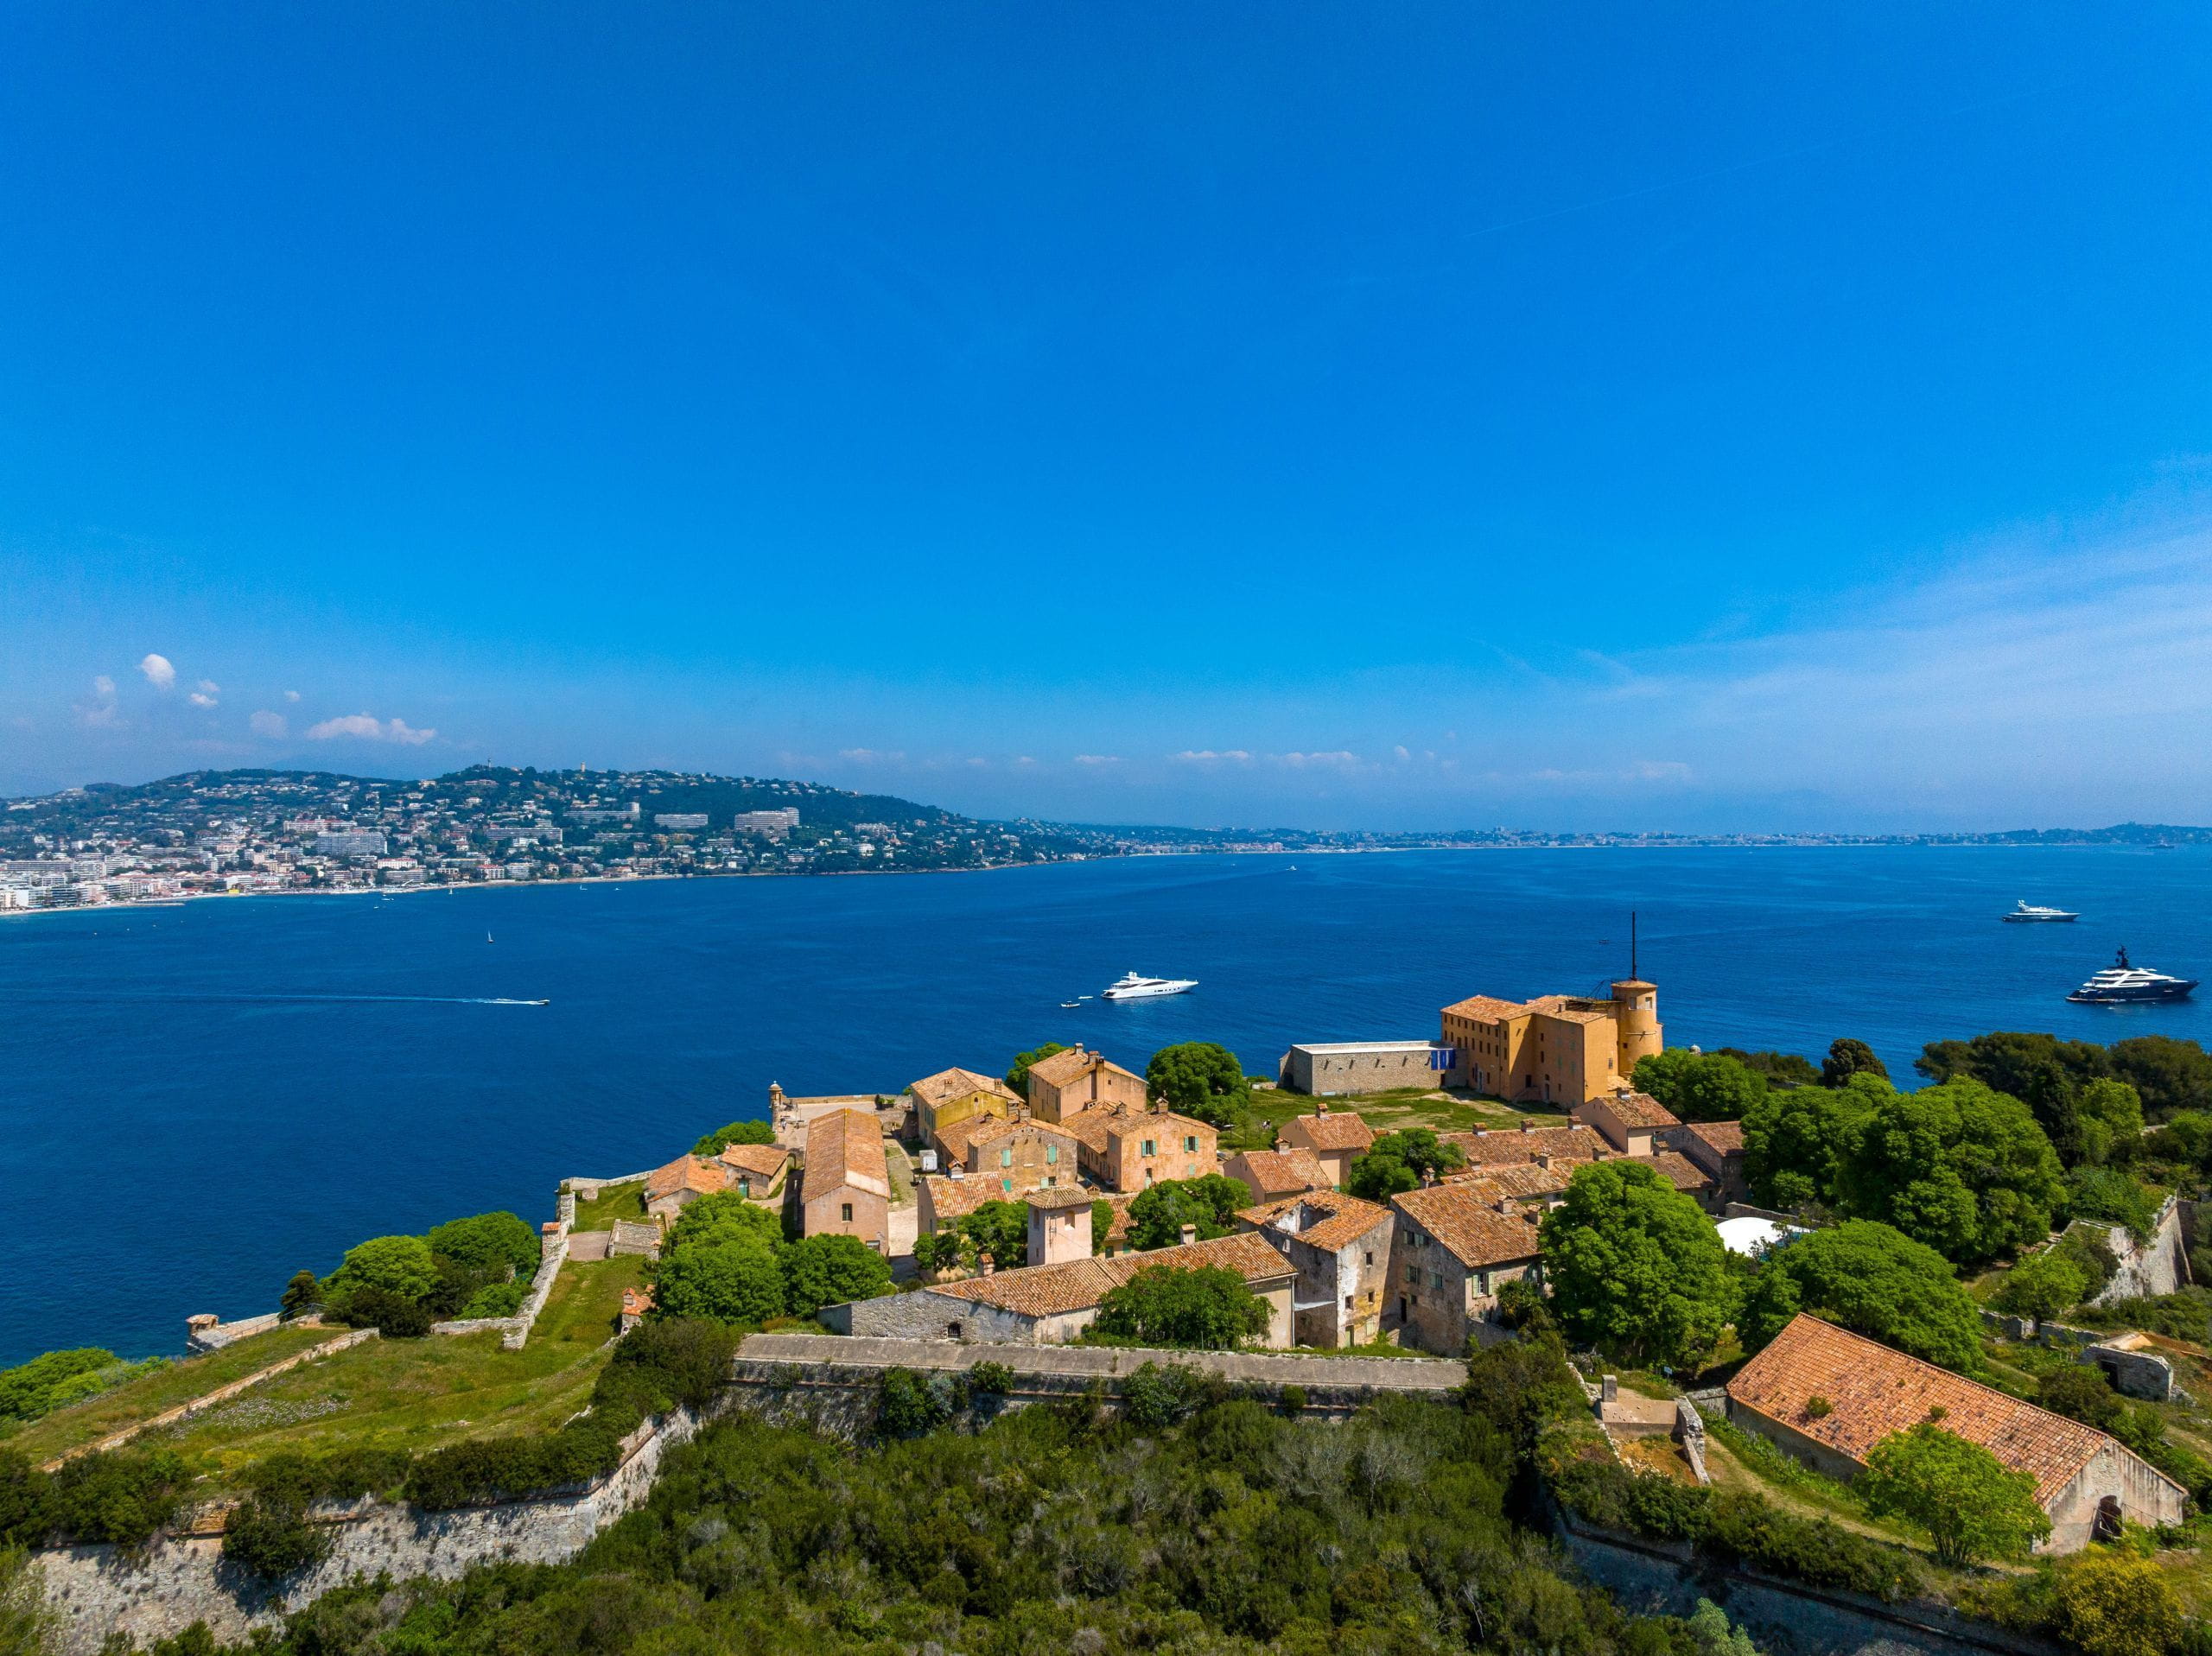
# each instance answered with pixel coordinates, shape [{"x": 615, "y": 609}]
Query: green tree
[
  {"x": 2042, "y": 1285},
  {"x": 1211, "y": 1202},
  {"x": 2109, "y": 1604},
  {"x": 2110, "y": 1115},
  {"x": 53, "y": 1380},
  {"x": 1201, "y": 1078},
  {"x": 2112, "y": 1195},
  {"x": 1635, "y": 1267},
  {"x": 1207, "y": 1309},
  {"x": 1017, "y": 1077},
  {"x": 729, "y": 1282},
  {"x": 1396, "y": 1162},
  {"x": 491, "y": 1244},
  {"x": 999, "y": 1229},
  {"x": 2170, "y": 1075},
  {"x": 301, "y": 1294},
  {"x": 1102, "y": 1224},
  {"x": 1848, "y": 1057},
  {"x": 1708, "y": 1626},
  {"x": 2002, "y": 1060},
  {"x": 737, "y": 1133},
  {"x": 1795, "y": 1141},
  {"x": 1872, "y": 1280},
  {"x": 397, "y": 1264},
  {"x": 831, "y": 1271},
  {"x": 1777, "y": 1069},
  {"x": 1957, "y": 1166},
  {"x": 725, "y": 1216},
  {"x": 2080, "y": 1392},
  {"x": 1701, "y": 1086},
  {"x": 1971, "y": 1506}
]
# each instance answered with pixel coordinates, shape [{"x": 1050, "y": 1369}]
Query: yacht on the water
[
  {"x": 1132, "y": 988},
  {"x": 2123, "y": 982},
  {"x": 2028, "y": 912}
]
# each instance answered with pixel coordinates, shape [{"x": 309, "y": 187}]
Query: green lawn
[
  {"x": 420, "y": 1394},
  {"x": 615, "y": 1201},
  {"x": 1404, "y": 1107},
  {"x": 901, "y": 1172},
  {"x": 150, "y": 1394}
]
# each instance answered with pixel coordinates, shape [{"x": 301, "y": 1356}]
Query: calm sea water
[{"x": 196, "y": 1102}]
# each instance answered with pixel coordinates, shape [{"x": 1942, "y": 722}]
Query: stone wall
[
  {"x": 99, "y": 1590},
  {"x": 204, "y": 1334},
  {"x": 2156, "y": 1265},
  {"x": 1338, "y": 1068}
]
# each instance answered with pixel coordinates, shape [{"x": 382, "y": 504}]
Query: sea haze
[{"x": 198, "y": 1101}]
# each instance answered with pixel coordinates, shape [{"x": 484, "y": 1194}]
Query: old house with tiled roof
[
  {"x": 1517, "y": 1186},
  {"x": 953, "y": 1096},
  {"x": 1631, "y": 1122},
  {"x": 1336, "y": 1139},
  {"x": 1051, "y": 1304},
  {"x": 1270, "y": 1175},
  {"x": 1829, "y": 1396},
  {"x": 1068, "y": 1082},
  {"x": 1450, "y": 1253},
  {"x": 1131, "y": 1149},
  {"x": 1340, "y": 1247},
  {"x": 1505, "y": 1146},
  {"x": 671, "y": 1189},
  {"x": 756, "y": 1171},
  {"x": 1718, "y": 1147},
  {"x": 846, "y": 1189},
  {"x": 1686, "y": 1176},
  {"x": 1015, "y": 1154}
]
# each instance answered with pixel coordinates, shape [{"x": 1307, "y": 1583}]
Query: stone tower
[
  {"x": 1059, "y": 1226},
  {"x": 1636, "y": 1016}
]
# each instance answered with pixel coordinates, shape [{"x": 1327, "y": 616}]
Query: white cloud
[
  {"x": 870, "y": 756},
  {"x": 1336, "y": 761},
  {"x": 1097, "y": 759},
  {"x": 159, "y": 672},
  {"x": 292, "y": 695},
  {"x": 104, "y": 687},
  {"x": 1208, "y": 756},
  {"x": 1659, "y": 770},
  {"x": 1399, "y": 751},
  {"x": 268, "y": 723},
  {"x": 363, "y": 726},
  {"x": 206, "y": 695}
]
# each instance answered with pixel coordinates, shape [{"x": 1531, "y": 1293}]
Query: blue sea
[{"x": 197, "y": 1101}]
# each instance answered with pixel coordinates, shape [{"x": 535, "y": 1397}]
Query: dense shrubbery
[
  {"x": 1208, "y": 1308},
  {"x": 1874, "y": 1280},
  {"x": 57, "y": 1378},
  {"x": 1635, "y": 1267},
  {"x": 1054, "y": 1528},
  {"x": 1211, "y": 1202},
  {"x": 124, "y": 1497},
  {"x": 1200, "y": 1079},
  {"x": 477, "y": 1267},
  {"x": 268, "y": 1534},
  {"x": 737, "y": 1133},
  {"x": 1396, "y": 1162}
]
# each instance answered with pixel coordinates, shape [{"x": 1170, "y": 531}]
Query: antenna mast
[{"x": 1631, "y": 943}]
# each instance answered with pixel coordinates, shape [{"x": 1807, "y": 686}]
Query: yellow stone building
[
  {"x": 951, "y": 1096},
  {"x": 1556, "y": 1049}
]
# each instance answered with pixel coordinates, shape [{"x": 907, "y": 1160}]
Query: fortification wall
[
  {"x": 160, "y": 1592},
  {"x": 2158, "y": 1264}
]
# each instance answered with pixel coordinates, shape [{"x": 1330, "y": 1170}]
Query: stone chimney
[
  {"x": 1190, "y": 1234},
  {"x": 985, "y": 1264},
  {"x": 1610, "y": 1389},
  {"x": 1321, "y": 1107},
  {"x": 1428, "y": 1177},
  {"x": 1528, "y": 1126},
  {"x": 955, "y": 1172}
]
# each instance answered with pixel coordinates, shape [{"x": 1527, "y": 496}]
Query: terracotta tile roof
[
  {"x": 957, "y": 1140},
  {"x": 1062, "y": 1068},
  {"x": 959, "y": 1083},
  {"x": 845, "y": 1147},
  {"x": 1476, "y": 1235},
  {"x": 1059, "y": 1196},
  {"x": 1088, "y": 1128},
  {"x": 761, "y": 1161},
  {"x": 1488, "y": 1009},
  {"x": 1077, "y": 1284},
  {"x": 693, "y": 1173},
  {"x": 1509, "y": 1144},
  {"x": 977, "y": 1130},
  {"x": 1681, "y": 1171},
  {"x": 1100, "y": 1125},
  {"x": 1331, "y": 1129},
  {"x": 1873, "y": 1392},
  {"x": 1516, "y": 1181},
  {"x": 1639, "y": 1110},
  {"x": 1323, "y": 1219},
  {"x": 1727, "y": 1138},
  {"x": 952, "y": 1198},
  {"x": 636, "y": 1302},
  {"x": 1278, "y": 1173}
]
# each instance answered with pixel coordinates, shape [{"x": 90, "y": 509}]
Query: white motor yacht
[
  {"x": 1132, "y": 988},
  {"x": 2121, "y": 982},
  {"x": 2029, "y": 913}
]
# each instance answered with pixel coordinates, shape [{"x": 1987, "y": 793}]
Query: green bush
[
  {"x": 1160, "y": 1395},
  {"x": 125, "y": 1497},
  {"x": 990, "y": 1380},
  {"x": 831, "y": 1271},
  {"x": 496, "y": 1299},
  {"x": 59, "y": 1378},
  {"x": 909, "y": 1405},
  {"x": 737, "y": 1133},
  {"x": 495, "y": 1243},
  {"x": 395, "y": 1315}
]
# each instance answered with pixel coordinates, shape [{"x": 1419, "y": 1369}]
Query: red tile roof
[
  {"x": 1274, "y": 1173},
  {"x": 1476, "y": 1235},
  {"x": 1681, "y": 1171},
  {"x": 1077, "y": 1284},
  {"x": 1638, "y": 1110},
  {"x": 1487, "y": 1009},
  {"x": 693, "y": 1173},
  {"x": 1727, "y": 1138},
  {"x": 845, "y": 1147},
  {"x": 1510, "y": 1144},
  {"x": 1321, "y": 1219},
  {"x": 1330, "y": 1130},
  {"x": 948, "y": 1084},
  {"x": 761, "y": 1161},
  {"x": 1873, "y": 1392}
]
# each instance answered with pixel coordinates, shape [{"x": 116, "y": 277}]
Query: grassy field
[
  {"x": 150, "y": 1394},
  {"x": 901, "y": 1172},
  {"x": 1406, "y": 1106},
  {"x": 419, "y": 1394},
  {"x": 615, "y": 1201}
]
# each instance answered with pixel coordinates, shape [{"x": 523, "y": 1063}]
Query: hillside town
[{"x": 260, "y": 831}]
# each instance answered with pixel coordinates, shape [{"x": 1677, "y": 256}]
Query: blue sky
[{"x": 1764, "y": 416}]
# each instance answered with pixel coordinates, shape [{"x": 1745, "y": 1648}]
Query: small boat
[
  {"x": 1130, "y": 986},
  {"x": 1070, "y": 1003},
  {"x": 2029, "y": 913},
  {"x": 2121, "y": 983}
]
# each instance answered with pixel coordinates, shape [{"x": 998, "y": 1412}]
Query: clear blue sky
[{"x": 1399, "y": 415}]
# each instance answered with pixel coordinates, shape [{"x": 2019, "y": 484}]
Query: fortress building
[{"x": 1556, "y": 1049}]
